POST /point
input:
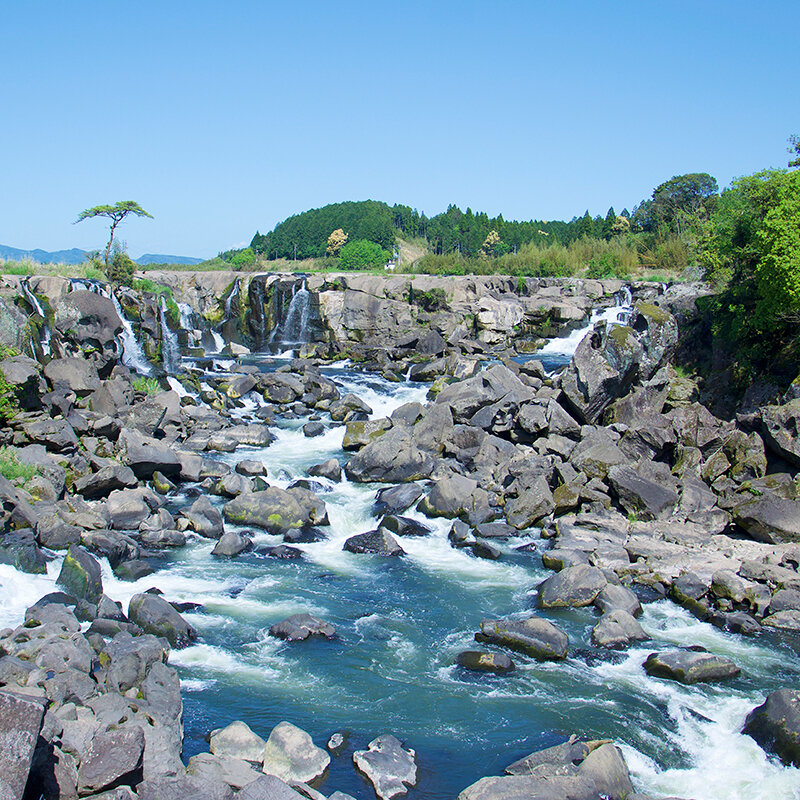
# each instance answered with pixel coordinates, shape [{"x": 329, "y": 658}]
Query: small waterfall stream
[
  {"x": 133, "y": 356},
  {"x": 44, "y": 331},
  {"x": 170, "y": 350},
  {"x": 294, "y": 330}
]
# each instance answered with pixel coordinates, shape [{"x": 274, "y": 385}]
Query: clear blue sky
[{"x": 223, "y": 118}]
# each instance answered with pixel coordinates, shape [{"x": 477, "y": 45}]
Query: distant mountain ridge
[{"x": 77, "y": 256}]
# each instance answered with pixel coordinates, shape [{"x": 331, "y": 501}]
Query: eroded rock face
[
  {"x": 21, "y": 721},
  {"x": 390, "y": 768}
]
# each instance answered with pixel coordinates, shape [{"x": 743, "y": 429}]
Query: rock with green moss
[
  {"x": 80, "y": 575},
  {"x": 360, "y": 433},
  {"x": 155, "y": 615},
  {"x": 275, "y": 510}
]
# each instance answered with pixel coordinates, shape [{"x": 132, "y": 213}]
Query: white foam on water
[
  {"x": 20, "y": 590},
  {"x": 705, "y": 720},
  {"x": 206, "y": 657},
  {"x": 382, "y": 396},
  {"x": 196, "y": 685}
]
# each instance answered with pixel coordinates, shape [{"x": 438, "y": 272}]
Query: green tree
[
  {"x": 794, "y": 141},
  {"x": 120, "y": 267},
  {"x": 778, "y": 271},
  {"x": 362, "y": 254},
  {"x": 116, "y": 213}
]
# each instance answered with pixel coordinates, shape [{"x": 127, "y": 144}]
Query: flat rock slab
[
  {"x": 299, "y": 627},
  {"x": 525, "y": 787},
  {"x": 389, "y": 768},
  {"x": 268, "y": 787},
  {"x": 533, "y": 636},
  {"x": 184, "y": 787},
  {"x": 688, "y": 666},
  {"x": 20, "y": 722}
]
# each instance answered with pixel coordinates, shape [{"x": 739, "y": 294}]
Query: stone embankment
[{"x": 640, "y": 490}]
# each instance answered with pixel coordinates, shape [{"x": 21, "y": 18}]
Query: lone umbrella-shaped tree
[{"x": 116, "y": 214}]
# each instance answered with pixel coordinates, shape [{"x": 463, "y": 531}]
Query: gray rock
[
  {"x": 647, "y": 497},
  {"x": 524, "y": 787},
  {"x": 19, "y": 549},
  {"x": 573, "y": 587},
  {"x": 145, "y": 455},
  {"x": 81, "y": 575},
  {"x": 231, "y": 544},
  {"x": 205, "y": 518},
  {"x": 268, "y": 787},
  {"x": 404, "y": 526},
  {"x": 133, "y": 570},
  {"x": 104, "y": 481},
  {"x": 613, "y": 597},
  {"x": 79, "y": 374},
  {"x": 184, "y": 787},
  {"x": 687, "y": 666},
  {"x": 392, "y": 458},
  {"x": 770, "y": 519},
  {"x": 113, "y": 757},
  {"x": 292, "y": 756},
  {"x": 775, "y": 725},
  {"x": 233, "y": 771},
  {"x": 237, "y": 741},
  {"x": 533, "y": 636},
  {"x": 275, "y": 510},
  {"x": 21, "y": 722},
  {"x": 617, "y": 628},
  {"x": 396, "y": 499},
  {"x": 607, "y": 769},
  {"x": 482, "y": 661},
  {"x": 390, "y": 768},
  {"x": 379, "y": 543},
  {"x": 330, "y": 469},
  {"x": 299, "y": 627},
  {"x": 157, "y": 616},
  {"x": 251, "y": 469},
  {"x": 451, "y": 496}
]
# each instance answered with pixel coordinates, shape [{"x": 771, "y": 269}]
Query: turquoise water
[{"x": 401, "y": 623}]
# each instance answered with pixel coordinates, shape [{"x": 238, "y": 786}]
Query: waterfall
[
  {"x": 294, "y": 329},
  {"x": 44, "y": 332},
  {"x": 620, "y": 313},
  {"x": 219, "y": 342},
  {"x": 132, "y": 354},
  {"x": 170, "y": 350}
]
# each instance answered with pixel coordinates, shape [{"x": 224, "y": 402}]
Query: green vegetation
[
  {"x": 362, "y": 254},
  {"x": 151, "y": 287},
  {"x": 120, "y": 268},
  {"x": 116, "y": 213},
  {"x": 12, "y": 468},
  {"x": 150, "y": 386}
]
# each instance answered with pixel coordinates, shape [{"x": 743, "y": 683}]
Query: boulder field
[{"x": 638, "y": 489}]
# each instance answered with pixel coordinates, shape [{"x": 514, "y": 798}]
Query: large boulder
[
  {"x": 379, "y": 542},
  {"x": 91, "y": 321},
  {"x": 689, "y": 666},
  {"x": 81, "y": 576},
  {"x": 78, "y": 374},
  {"x": 292, "y": 756},
  {"x": 21, "y": 722},
  {"x": 145, "y": 455},
  {"x": 780, "y": 426},
  {"x": 644, "y": 490},
  {"x": 237, "y": 741},
  {"x": 392, "y": 458},
  {"x": 390, "y": 768},
  {"x": 533, "y": 636},
  {"x": 104, "y": 481},
  {"x": 299, "y": 627},
  {"x": 775, "y": 725},
  {"x": 155, "y": 615},
  {"x": 275, "y": 510},
  {"x": 113, "y": 758},
  {"x": 481, "y": 661},
  {"x": 205, "y": 518},
  {"x": 769, "y": 518},
  {"x": 617, "y": 628},
  {"x": 573, "y": 587}
]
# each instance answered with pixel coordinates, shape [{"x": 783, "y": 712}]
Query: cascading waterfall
[
  {"x": 132, "y": 354},
  {"x": 561, "y": 349},
  {"x": 44, "y": 332},
  {"x": 170, "y": 350},
  {"x": 294, "y": 329}
]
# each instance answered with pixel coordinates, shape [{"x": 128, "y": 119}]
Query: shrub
[
  {"x": 150, "y": 386},
  {"x": 121, "y": 268},
  {"x": 12, "y": 468}
]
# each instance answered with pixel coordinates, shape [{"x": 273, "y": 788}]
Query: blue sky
[{"x": 223, "y": 118}]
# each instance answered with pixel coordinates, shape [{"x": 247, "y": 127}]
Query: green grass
[
  {"x": 12, "y": 468},
  {"x": 150, "y": 386}
]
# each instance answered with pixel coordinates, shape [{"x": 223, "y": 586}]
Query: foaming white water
[
  {"x": 382, "y": 396},
  {"x": 565, "y": 346},
  {"x": 20, "y": 590},
  {"x": 704, "y": 721},
  {"x": 177, "y": 386}
]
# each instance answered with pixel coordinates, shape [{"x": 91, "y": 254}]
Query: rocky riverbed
[{"x": 571, "y": 508}]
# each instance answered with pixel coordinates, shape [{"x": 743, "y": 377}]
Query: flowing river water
[{"x": 401, "y": 623}]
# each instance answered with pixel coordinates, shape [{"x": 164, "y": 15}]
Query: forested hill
[{"x": 306, "y": 235}]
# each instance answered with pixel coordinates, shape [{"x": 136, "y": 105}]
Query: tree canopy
[{"x": 116, "y": 213}]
